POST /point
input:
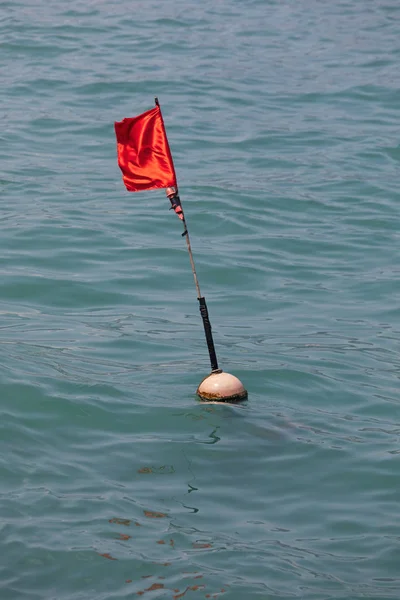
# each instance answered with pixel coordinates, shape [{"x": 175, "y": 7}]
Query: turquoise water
[{"x": 283, "y": 120}]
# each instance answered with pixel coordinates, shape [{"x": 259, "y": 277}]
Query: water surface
[{"x": 283, "y": 120}]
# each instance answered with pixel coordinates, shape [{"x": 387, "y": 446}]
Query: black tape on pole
[{"x": 207, "y": 331}]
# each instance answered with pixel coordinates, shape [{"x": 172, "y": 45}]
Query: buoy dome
[{"x": 221, "y": 387}]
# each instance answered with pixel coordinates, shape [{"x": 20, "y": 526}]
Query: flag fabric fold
[{"x": 144, "y": 156}]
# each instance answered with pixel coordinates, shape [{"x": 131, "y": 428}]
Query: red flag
[{"x": 143, "y": 152}]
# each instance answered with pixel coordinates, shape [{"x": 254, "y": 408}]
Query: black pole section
[{"x": 208, "y": 332}]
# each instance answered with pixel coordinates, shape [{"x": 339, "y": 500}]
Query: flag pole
[
  {"x": 218, "y": 386},
  {"x": 173, "y": 196}
]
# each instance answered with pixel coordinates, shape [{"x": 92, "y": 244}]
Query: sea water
[{"x": 116, "y": 482}]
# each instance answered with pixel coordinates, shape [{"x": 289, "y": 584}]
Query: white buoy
[{"x": 221, "y": 387}]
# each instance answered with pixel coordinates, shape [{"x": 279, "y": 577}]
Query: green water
[{"x": 283, "y": 121}]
